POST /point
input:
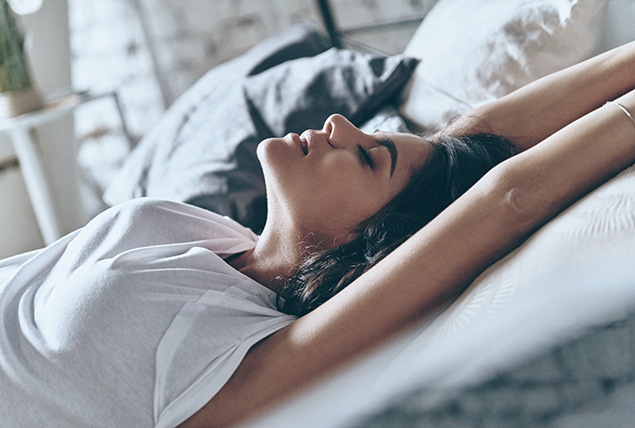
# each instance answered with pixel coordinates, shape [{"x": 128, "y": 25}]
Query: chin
[
  {"x": 269, "y": 159},
  {"x": 266, "y": 153},
  {"x": 271, "y": 147},
  {"x": 262, "y": 149}
]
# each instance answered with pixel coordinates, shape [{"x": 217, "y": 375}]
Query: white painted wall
[
  {"x": 48, "y": 42},
  {"x": 18, "y": 229}
]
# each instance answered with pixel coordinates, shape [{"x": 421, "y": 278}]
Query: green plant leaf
[{"x": 14, "y": 69}]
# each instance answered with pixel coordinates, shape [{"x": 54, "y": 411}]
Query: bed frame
[{"x": 340, "y": 37}]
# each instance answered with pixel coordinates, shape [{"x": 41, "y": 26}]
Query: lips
[
  {"x": 301, "y": 142},
  {"x": 308, "y": 140},
  {"x": 304, "y": 146}
]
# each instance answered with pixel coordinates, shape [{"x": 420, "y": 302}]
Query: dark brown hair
[{"x": 454, "y": 165}]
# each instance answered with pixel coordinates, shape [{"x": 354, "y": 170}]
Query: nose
[{"x": 341, "y": 132}]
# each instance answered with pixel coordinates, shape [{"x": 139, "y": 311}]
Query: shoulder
[
  {"x": 153, "y": 223},
  {"x": 151, "y": 206},
  {"x": 150, "y": 211}
]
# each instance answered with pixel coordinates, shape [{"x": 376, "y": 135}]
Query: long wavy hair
[{"x": 455, "y": 164}]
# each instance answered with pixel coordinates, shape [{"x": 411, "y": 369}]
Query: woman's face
[{"x": 326, "y": 182}]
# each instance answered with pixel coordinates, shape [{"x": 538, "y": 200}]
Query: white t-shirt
[{"x": 134, "y": 320}]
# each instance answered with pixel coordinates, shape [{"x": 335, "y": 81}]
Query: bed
[{"x": 546, "y": 336}]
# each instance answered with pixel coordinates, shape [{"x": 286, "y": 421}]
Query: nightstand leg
[{"x": 36, "y": 183}]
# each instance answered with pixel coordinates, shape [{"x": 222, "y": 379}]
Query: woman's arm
[
  {"x": 536, "y": 111},
  {"x": 437, "y": 263}
]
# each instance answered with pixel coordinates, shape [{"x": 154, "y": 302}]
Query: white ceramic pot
[{"x": 15, "y": 103}]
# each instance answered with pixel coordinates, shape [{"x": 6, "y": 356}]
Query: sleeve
[{"x": 203, "y": 347}]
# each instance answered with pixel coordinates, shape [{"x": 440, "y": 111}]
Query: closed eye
[{"x": 365, "y": 157}]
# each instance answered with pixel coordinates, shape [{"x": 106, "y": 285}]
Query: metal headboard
[{"x": 339, "y": 36}]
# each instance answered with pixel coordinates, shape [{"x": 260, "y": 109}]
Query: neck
[{"x": 273, "y": 258}]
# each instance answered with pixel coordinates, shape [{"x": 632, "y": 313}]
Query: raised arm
[
  {"x": 493, "y": 217},
  {"x": 536, "y": 111}
]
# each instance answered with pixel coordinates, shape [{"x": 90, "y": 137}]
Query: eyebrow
[{"x": 393, "y": 152}]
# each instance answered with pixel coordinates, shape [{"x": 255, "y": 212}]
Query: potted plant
[{"x": 17, "y": 92}]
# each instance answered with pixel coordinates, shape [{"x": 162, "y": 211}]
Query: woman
[
  {"x": 324, "y": 188},
  {"x": 583, "y": 142}
]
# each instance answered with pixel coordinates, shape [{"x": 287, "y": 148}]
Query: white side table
[{"x": 22, "y": 132}]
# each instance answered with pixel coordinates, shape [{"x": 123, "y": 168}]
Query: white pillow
[{"x": 475, "y": 51}]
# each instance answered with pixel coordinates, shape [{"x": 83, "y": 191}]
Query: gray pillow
[{"x": 203, "y": 150}]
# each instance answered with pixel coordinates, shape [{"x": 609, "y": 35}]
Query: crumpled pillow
[
  {"x": 475, "y": 51},
  {"x": 203, "y": 150}
]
